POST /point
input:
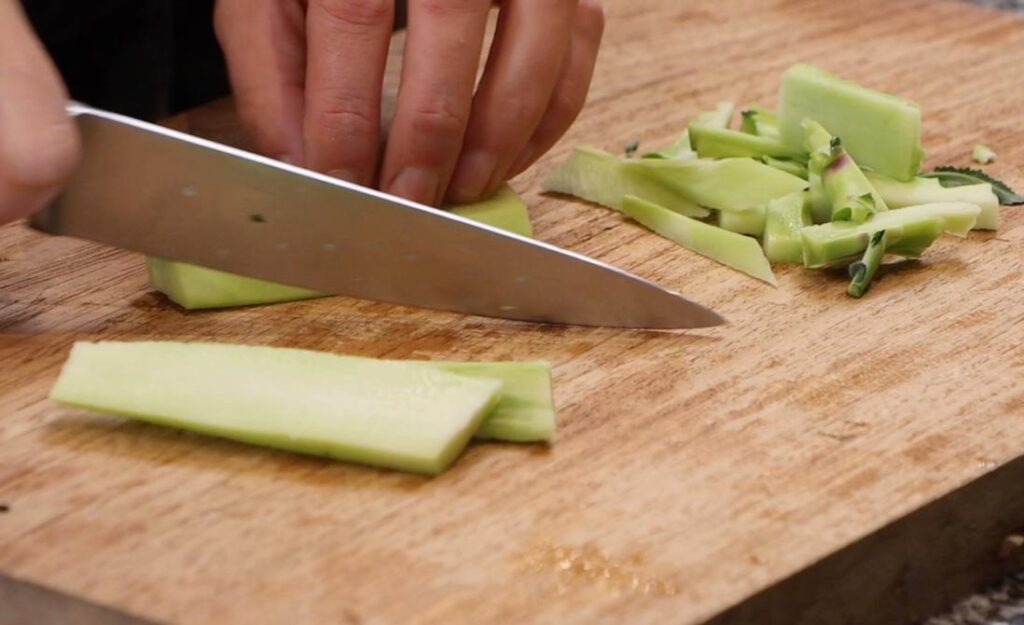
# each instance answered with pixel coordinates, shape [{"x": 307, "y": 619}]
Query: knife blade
[{"x": 164, "y": 193}]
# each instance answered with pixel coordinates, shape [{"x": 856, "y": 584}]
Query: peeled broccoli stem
[
  {"x": 682, "y": 149},
  {"x": 794, "y": 167},
  {"x": 850, "y": 194},
  {"x": 750, "y": 221},
  {"x": 881, "y": 131},
  {"x": 899, "y": 194},
  {"x": 725, "y": 143},
  {"x": 732, "y": 184},
  {"x": 604, "y": 178},
  {"x": 785, "y": 218},
  {"x": 909, "y": 231},
  {"x": 863, "y": 271},
  {"x": 733, "y": 250},
  {"x": 757, "y": 120}
]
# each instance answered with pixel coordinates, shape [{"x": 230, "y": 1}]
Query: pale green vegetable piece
[
  {"x": 850, "y": 194},
  {"x": 682, "y": 149},
  {"x": 733, "y": 250},
  {"x": 726, "y": 143},
  {"x": 881, "y": 131},
  {"x": 758, "y": 120},
  {"x": 525, "y": 411},
  {"x": 605, "y": 179},
  {"x": 793, "y": 167},
  {"x": 751, "y": 221},
  {"x": 909, "y": 232},
  {"x": 863, "y": 271},
  {"x": 983, "y": 155},
  {"x": 899, "y": 194},
  {"x": 383, "y": 413},
  {"x": 506, "y": 211},
  {"x": 193, "y": 287},
  {"x": 785, "y": 218},
  {"x": 731, "y": 184}
]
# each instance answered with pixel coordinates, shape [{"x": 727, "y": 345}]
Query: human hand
[
  {"x": 39, "y": 143},
  {"x": 307, "y": 78}
]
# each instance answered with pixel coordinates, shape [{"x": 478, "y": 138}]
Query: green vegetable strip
[
  {"x": 909, "y": 231},
  {"x": 748, "y": 122},
  {"x": 731, "y": 184},
  {"x": 605, "y": 179},
  {"x": 682, "y": 149},
  {"x": 760, "y": 121},
  {"x": 725, "y": 143},
  {"x": 733, "y": 250},
  {"x": 899, "y": 194},
  {"x": 850, "y": 195},
  {"x": 983, "y": 155},
  {"x": 796, "y": 168},
  {"x": 525, "y": 412},
  {"x": 785, "y": 219},
  {"x": 383, "y": 413},
  {"x": 882, "y": 132},
  {"x": 863, "y": 271},
  {"x": 750, "y": 221},
  {"x": 195, "y": 288}
]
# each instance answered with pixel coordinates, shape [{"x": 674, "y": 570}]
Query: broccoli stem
[
  {"x": 850, "y": 194},
  {"x": 863, "y": 271},
  {"x": 682, "y": 149},
  {"x": 785, "y": 218}
]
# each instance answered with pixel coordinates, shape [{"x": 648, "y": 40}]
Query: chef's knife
[{"x": 153, "y": 190}]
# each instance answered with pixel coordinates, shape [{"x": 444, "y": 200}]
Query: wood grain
[{"x": 693, "y": 470}]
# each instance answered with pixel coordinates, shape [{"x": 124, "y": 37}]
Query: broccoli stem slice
[
  {"x": 758, "y": 120},
  {"x": 863, "y": 271},
  {"x": 909, "y": 230},
  {"x": 785, "y": 218},
  {"x": 983, "y": 155},
  {"x": 850, "y": 194},
  {"x": 922, "y": 190},
  {"x": 742, "y": 253},
  {"x": 793, "y": 167},
  {"x": 726, "y": 143},
  {"x": 682, "y": 149}
]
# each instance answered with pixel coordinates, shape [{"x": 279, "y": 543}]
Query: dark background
[{"x": 143, "y": 58}]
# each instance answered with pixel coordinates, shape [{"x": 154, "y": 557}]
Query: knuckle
[
  {"x": 440, "y": 120},
  {"x": 344, "y": 121},
  {"x": 359, "y": 13}
]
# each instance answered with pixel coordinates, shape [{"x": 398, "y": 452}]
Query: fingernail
[
  {"x": 418, "y": 184},
  {"x": 472, "y": 176},
  {"x": 288, "y": 158},
  {"x": 344, "y": 174},
  {"x": 524, "y": 160}
]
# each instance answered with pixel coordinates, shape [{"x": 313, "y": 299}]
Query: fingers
[
  {"x": 442, "y": 54},
  {"x": 570, "y": 93},
  {"x": 264, "y": 45},
  {"x": 521, "y": 73},
  {"x": 39, "y": 143},
  {"x": 347, "y": 51}
]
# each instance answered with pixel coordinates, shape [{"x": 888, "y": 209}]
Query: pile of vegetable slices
[{"x": 833, "y": 178}]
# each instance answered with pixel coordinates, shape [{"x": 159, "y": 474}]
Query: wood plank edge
[
  {"x": 26, "y": 603},
  {"x": 908, "y": 570}
]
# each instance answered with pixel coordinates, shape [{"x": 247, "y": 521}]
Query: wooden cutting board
[{"x": 819, "y": 460}]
